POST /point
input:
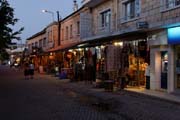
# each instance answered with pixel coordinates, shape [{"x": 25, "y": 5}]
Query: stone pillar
[{"x": 171, "y": 69}]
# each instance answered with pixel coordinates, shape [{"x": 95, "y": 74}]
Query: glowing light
[
  {"x": 97, "y": 47},
  {"x": 118, "y": 43},
  {"x": 102, "y": 47},
  {"x": 51, "y": 53},
  {"x": 79, "y": 49},
  {"x": 70, "y": 50},
  {"x": 174, "y": 35}
]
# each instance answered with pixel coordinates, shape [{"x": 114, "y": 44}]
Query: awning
[
  {"x": 101, "y": 40},
  {"x": 108, "y": 39},
  {"x": 64, "y": 47}
]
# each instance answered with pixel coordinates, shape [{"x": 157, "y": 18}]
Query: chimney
[{"x": 75, "y": 5}]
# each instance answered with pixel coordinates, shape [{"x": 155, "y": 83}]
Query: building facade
[
  {"x": 127, "y": 36},
  {"x": 40, "y": 43}
]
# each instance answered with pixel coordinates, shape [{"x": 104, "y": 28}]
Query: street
[{"x": 48, "y": 98}]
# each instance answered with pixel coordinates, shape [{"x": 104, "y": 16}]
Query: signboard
[
  {"x": 142, "y": 25},
  {"x": 174, "y": 35}
]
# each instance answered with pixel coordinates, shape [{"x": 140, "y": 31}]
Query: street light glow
[
  {"x": 44, "y": 10},
  {"x": 47, "y": 11}
]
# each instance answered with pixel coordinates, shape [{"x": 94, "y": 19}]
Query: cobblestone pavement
[{"x": 48, "y": 98}]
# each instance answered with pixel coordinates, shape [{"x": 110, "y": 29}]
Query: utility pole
[{"x": 59, "y": 28}]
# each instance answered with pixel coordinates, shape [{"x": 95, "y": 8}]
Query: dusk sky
[{"x": 31, "y": 17}]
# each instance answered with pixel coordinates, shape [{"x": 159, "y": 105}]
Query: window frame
[
  {"x": 67, "y": 32},
  {"x": 71, "y": 31},
  {"x": 78, "y": 27},
  {"x": 105, "y": 18},
  {"x": 167, "y": 7},
  {"x": 134, "y": 10},
  {"x": 44, "y": 42}
]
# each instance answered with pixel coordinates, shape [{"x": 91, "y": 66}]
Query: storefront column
[
  {"x": 155, "y": 68},
  {"x": 171, "y": 71}
]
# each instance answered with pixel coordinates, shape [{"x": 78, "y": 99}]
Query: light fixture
[{"x": 118, "y": 44}]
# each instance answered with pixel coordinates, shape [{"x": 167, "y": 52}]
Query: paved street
[{"x": 48, "y": 98}]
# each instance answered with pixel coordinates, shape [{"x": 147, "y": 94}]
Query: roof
[
  {"x": 37, "y": 34},
  {"x": 42, "y": 32},
  {"x": 73, "y": 13},
  {"x": 94, "y": 3}
]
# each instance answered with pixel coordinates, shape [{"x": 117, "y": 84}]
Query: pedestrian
[
  {"x": 31, "y": 70},
  {"x": 26, "y": 71}
]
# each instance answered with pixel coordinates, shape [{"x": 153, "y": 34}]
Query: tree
[{"x": 7, "y": 34}]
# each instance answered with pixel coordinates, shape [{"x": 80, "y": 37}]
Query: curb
[{"x": 154, "y": 97}]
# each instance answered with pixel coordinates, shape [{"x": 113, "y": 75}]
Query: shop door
[{"x": 164, "y": 69}]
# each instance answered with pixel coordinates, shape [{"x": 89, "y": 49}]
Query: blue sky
[{"x": 31, "y": 17}]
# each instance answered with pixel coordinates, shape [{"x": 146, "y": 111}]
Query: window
[
  {"x": 71, "y": 31},
  {"x": 36, "y": 44},
  {"x": 78, "y": 27},
  {"x": 67, "y": 32},
  {"x": 44, "y": 42},
  {"x": 105, "y": 18},
  {"x": 131, "y": 9},
  {"x": 29, "y": 46},
  {"x": 32, "y": 44},
  {"x": 40, "y": 43},
  {"x": 172, "y": 3},
  {"x": 177, "y": 2},
  {"x": 62, "y": 34}
]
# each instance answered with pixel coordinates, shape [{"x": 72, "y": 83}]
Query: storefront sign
[{"x": 174, "y": 35}]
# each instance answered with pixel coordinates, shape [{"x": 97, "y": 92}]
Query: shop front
[
  {"x": 174, "y": 42},
  {"x": 123, "y": 59},
  {"x": 134, "y": 61},
  {"x": 164, "y": 73},
  {"x": 117, "y": 58}
]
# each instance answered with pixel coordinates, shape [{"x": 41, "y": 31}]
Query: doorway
[{"x": 164, "y": 69}]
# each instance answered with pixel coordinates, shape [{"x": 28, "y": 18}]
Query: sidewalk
[
  {"x": 157, "y": 94},
  {"x": 89, "y": 89}
]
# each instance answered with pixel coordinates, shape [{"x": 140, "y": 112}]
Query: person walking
[{"x": 31, "y": 70}]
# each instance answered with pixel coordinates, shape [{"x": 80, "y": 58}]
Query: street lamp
[
  {"x": 47, "y": 11},
  {"x": 58, "y": 20},
  {"x": 52, "y": 13}
]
